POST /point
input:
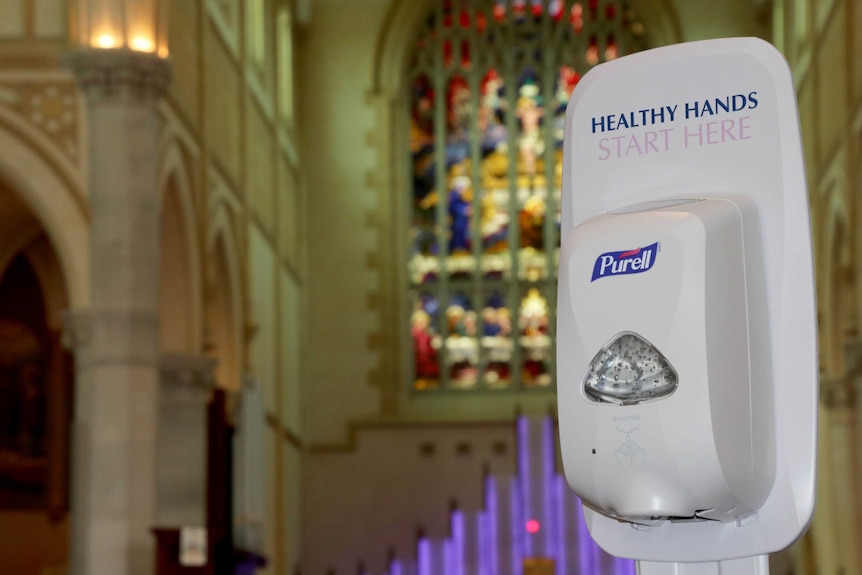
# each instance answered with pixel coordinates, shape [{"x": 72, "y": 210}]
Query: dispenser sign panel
[
  {"x": 679, "y": 126},
  {"x": 625, "y": 262}
]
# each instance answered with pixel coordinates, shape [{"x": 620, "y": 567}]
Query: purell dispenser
[
  {"x": 661, "y": 334},
  {"x": 686, "y": 342}
]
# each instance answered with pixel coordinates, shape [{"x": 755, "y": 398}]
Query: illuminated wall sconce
[{"x": 137, "y": 25}]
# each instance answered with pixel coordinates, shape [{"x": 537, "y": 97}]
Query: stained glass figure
[
  {"x": 533, "y": 324},
  {"x": 530, "y": 112},
  {"x": 496, "y": 341},
  {"x": 489, "y": 81},
  {"x": 531, "y": 224},
  {"x": 460, "y": 208},
  {"x": 424, "y": 252},
  {"x": 458, "y": 122},
  {"x": 426, "y": 341},
  {"x": 491, "y": 107},
  {"x": 461, "y": 263},
  {"x": 461, "y": 342}
]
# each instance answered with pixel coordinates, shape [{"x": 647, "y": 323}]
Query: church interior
[{"x": 277, "y": 279}]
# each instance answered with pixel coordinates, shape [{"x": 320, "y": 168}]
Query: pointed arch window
[{"x": 489, "y": 81}]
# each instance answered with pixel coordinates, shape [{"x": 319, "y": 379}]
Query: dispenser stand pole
[{"x": 758, "y": 565}]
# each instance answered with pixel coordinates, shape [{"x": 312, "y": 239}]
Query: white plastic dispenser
[
  {"x": 686, "y": 324},
  {"x": 671, "y": 431}
]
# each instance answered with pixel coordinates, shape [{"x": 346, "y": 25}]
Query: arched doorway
[{"x": 36, "y": 390}]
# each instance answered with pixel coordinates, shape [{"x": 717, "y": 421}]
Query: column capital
[
  {"x": 77, "y": 330},
  {"x": 112, "y": 336},
  {"x": 853, "y": 357},
  {"x": 119, "y": 74},
  {"x": 837, "y": 391},
  {"x": 186, "y": 378}
]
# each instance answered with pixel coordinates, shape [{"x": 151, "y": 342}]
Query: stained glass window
[{"x": 488, "y": 87}]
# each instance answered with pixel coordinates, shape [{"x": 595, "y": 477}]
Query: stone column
[
  {"x": 187, "y": 382},
  {"x": 853, "y": 362},
  {"x": 838, "y": 397},
  {"x": 116, "y": 340}
]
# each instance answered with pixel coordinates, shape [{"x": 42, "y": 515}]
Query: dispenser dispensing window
[{"x": 627, "y": 371}]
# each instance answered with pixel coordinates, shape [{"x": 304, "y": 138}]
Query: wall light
[{"x": 137, "y": 25}]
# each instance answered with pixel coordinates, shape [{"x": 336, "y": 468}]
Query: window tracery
[
  {"x": 285, "y": 62},
  {"x": 257, "y": 44},
  {"x": 489, "y": 81}
]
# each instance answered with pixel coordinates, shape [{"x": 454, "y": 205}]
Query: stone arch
[
  {"x": 32, "y": 232},
  {"x": 225, "y": 301},
  {"x": 18, "y": 226},
  {"x": 43, "y": 259},
  {"x": 55, "y": 206},
  {"x": 21, "y": 233},
  {"x": 854, "y": 214},
  {"x": 180, "y": 278},
  {"x": 406, "y": 16}
]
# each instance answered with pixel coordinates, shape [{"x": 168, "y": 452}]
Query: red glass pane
[
  {"x": 499, "y": 11},
  {"x": 555, "y": 9},
  {"x": 611, "y": 49},
  {"x": 481, "y": 21},
  {"x": 569, "y": 78},
  {"x": 593, "y": 10},
  {"x": 577, "y": 17},
  {"x": 426, "y": 342},
  {"x": 592, "y": 54},
  {"x": 422, "y": 114}
]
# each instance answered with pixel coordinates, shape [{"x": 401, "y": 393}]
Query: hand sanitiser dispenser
[
  {"x": 686, "y": 332},
  {"x": 662, "y": 323}
]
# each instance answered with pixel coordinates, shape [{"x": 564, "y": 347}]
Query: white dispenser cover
[
  {"x": 670, "y": 430},
  {"x": 713, "y": 121}
]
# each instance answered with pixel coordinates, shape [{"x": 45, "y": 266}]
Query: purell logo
[{"x": 625, "y": 262}]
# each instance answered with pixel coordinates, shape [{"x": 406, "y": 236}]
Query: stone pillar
[
  {"x": 825, "y": 544},
  {"x": 838, "y": 397},
  {"x": 251, "y": 473},
  {"x": 853, "y": 361},
  {"x": 116, "y": 340},
  {"x": 187, "y": 382}
]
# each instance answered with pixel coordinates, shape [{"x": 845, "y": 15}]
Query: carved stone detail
[
  {"x": 77, "y": 330},
  {"x": 837, "y": 391},
  {"x": 122, "y": 75},
  {"x": 50, "y": 106},
  {"x": 111, "y": 336},
  {"x": 186, "y": 378},
  {"x": 853, "y": 358}
]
